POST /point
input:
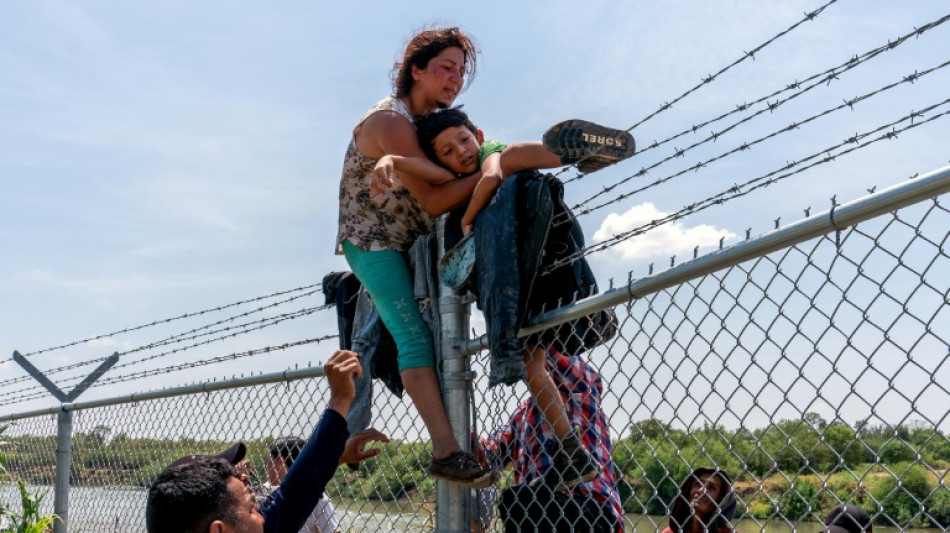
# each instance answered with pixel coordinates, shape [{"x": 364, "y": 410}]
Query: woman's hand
[{"x": 382, "y": 178}]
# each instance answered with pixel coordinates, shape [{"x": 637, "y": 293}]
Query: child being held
[{"x": 450, "y": 139}]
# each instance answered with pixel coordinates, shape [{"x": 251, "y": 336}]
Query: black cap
[
  {"x": 847, "y": 518},
  {"x": 233, "y": 455}
]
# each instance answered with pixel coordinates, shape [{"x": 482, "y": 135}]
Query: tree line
[{"x": 791, "y": 469}]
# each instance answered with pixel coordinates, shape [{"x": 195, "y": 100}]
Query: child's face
[{"x": 456, "y": 148}]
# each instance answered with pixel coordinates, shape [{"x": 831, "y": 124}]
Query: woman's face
[
  {"x": 705, "y": 493},
  {"x": 442, "y": 79}
]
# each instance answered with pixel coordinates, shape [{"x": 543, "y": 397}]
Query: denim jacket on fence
[{"x": 525, "y": 229}]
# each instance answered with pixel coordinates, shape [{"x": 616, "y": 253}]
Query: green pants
[{"x": 385, "y": 275}]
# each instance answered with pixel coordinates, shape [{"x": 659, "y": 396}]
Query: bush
[
  {"x": 902, "y": 497},
  {"x": 761, "y": 507},
  {"x": 938, "y": 507},
  {"x": 799, "y": 500}
]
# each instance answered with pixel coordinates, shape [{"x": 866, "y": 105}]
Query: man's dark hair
[
  {"x": 287, "y": 449},
  {"x": 187, "y": 498},
  {"x": 427, "y": 44},
  {"x": 431, "y": 125}
]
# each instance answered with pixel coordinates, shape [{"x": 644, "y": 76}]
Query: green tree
[
  {"x": 650, "y": 428},
  {"x": 897, "y": 451},
  {"x": 902, "y": 497}
]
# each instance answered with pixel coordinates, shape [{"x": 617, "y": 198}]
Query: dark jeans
[{"x": 525, "y": 508}]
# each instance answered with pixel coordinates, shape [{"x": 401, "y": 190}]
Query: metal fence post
[
  {"x": 453, "y": 502},
  {"x": 64, "y": 430},
  {"x": 64, "y": 435}
]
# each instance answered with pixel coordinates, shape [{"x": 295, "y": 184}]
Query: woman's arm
[
  {"x": 419, "y": 167},
  {"x": 388, "y": 133}
]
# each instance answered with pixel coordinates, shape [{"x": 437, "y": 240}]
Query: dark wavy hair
[
  {"x": 187, "y": 498},
  {"x": 427, "y": 44},
  {"x": 434, "y": 123}
]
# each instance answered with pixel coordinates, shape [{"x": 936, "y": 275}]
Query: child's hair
[{"x": 431, "y": 125}]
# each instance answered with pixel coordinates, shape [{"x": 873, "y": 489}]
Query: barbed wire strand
[
  {"x": 822, "y": 77},
  {"x": 746, "y": 55},
  {"x": 185, "y": 366},
  {"x": 847, "y": 104},
  {"x": 316, "y": 286},
  {"x": 736, "y": 190},
  {"x": 244, "y": 328},
  {"x": 712, "y": 77}
]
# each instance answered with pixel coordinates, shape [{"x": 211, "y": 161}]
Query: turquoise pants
[{"x": 385, "y": 275}]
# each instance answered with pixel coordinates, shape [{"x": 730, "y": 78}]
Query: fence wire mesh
[{"x": 812, "y": 376}]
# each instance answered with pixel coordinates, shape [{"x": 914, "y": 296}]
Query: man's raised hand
[{"x": 341, "y": 369}]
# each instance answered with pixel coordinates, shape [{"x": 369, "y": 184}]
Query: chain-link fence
[{"x": 810, "y": 370}]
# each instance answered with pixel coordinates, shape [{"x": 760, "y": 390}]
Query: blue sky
[{"x": 162, "y": 158}]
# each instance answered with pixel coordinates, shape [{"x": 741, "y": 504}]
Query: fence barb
[
  {"x": 818, "y": 158},
  {"x": 316, "y": 286},
  {"x": 820, "y": 78}
]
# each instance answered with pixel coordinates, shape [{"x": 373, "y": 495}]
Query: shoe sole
[
  {"x": 480, "y": 482},
  {"x": 580, "y": 139}
]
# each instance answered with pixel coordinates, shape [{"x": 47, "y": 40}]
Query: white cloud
[{"x": 667, "y": 239}]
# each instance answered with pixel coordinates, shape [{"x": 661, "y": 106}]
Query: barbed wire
[
  {"x": 316, "y": 286},
  {"x": 821, "y": 77},
  {"x": 170, "y": 339},
  {"x": 847, "y": 104},
  {"x": 242, "y": 329},
  {"x": 762, "y": 181},
  {"x": 709, "y": 79},
  {"x": 746, "y": 55},
  {"x": 184, "y": 366}
]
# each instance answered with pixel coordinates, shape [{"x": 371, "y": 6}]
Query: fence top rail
[
  {"x": 839, "y": 217},
  {"x": 210, "y": 386}
]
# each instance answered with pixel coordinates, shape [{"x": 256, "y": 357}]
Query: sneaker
[
  {"x": 573, "y": 464},
  {"x": 462, "y": 468},
  {"x": 459, "y": 263},
  {"x": 589, "y": 146}
]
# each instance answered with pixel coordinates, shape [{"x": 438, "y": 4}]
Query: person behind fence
[
  {"x": 848, "y": 518},
  {"x": 281, "y": 456},
  {"x": 206, "y": 494},
  {"x": 705, "y": 503},
  {"x": 377, "y": 227},
  {"x": 539, "y": 500}
]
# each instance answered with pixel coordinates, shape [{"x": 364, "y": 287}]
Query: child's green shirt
[{"x": 488, "y": 148}]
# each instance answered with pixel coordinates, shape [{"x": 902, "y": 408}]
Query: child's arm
[
  {"x": 419, "y": 167},
  {"x": 492, "y": 176},
  {"x": 527, "y": 156},
  {"x": 496, "y": 167}
]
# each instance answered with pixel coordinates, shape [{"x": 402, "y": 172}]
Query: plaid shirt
[{"x": 526, "y": 441}]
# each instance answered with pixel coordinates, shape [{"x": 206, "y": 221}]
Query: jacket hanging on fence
[
  {"x": 525, "y": 230},
  {"x": 369, "y": 337}
]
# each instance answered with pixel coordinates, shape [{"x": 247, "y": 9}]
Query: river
[{"x": 122, "y": 510}]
